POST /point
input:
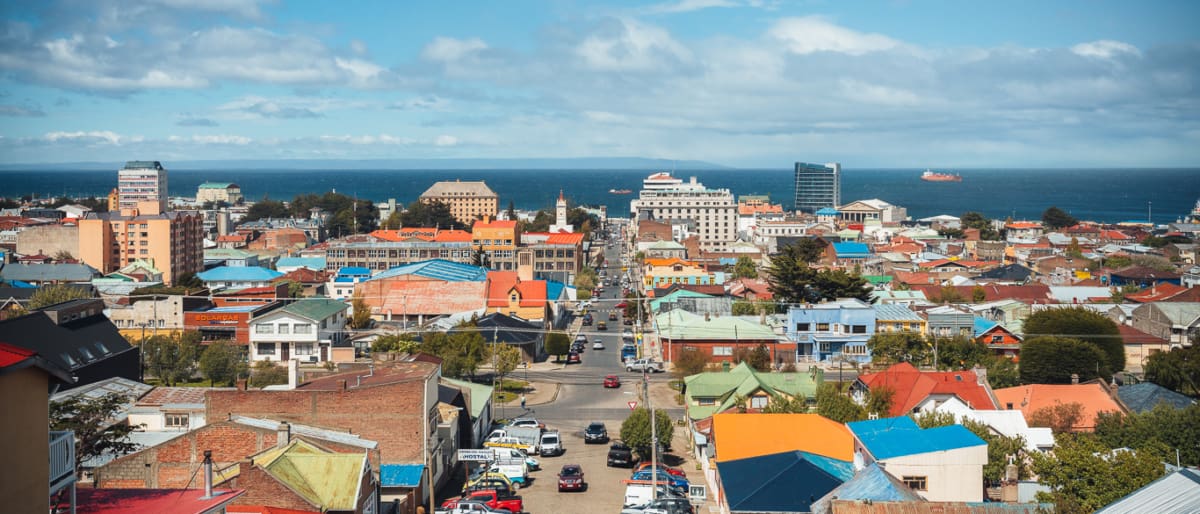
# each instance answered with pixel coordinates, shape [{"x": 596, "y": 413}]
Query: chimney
[
  {"x": 293, "y": 373},
  {"x": 208, "y": 477},
  {"x": 241, "y": 384},
  {"x": 1008, "y": 486},
  {"x": 283, "y": 434},
  {"x": 980, "y": 375},
  {"x": 1075, "y": 378}
]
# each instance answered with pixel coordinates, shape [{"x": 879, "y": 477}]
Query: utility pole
[{"x": 653, "y": 436}]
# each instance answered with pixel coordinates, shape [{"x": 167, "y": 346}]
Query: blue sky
[{"x": 753, "y": 83}]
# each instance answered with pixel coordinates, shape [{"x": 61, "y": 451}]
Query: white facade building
[
  {"x": 304, "y": 330},
  {"x": 713, "y": 211},
  {"x": 142, "y": 181}
]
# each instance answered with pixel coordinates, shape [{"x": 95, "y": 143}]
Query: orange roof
[
  {"x": 1156, "y": 293},
  {"x": 1092, "y": 395},
  {"x": 741, "y": 436},
  {"x": 565, "y": 238},
  {"x": 231, "y": 238},
  {"x": 911, "y": 386},
  {"x": 422, "y": 233},
  {"x": 911, "y": 278},
  {"x": 1024, "y": 224},
  {"x": 500, "y": 283},
  {"x": 494, "y": 224},
  {"x": 1114, "y": 235},
  {"x": 452, "y": 236},
  {"x": 668, "y": 262}
]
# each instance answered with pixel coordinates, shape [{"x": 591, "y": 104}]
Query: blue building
[
  {"x": 341, "y": 285},
  {"x": 826, "y": 331}
]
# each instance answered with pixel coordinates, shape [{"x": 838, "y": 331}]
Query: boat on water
[
  {"x": 620, "y": 191},
  {"x": 933, "y": 176}
]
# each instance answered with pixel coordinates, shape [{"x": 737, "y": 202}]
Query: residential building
[
  {"x": 831, "y": 331},
  {"x": 718, "y": 337},
  {"x": 158, "y": 501},
  {"x": 499, "y": 328},
  {"x": 942, "y": 464},
  {"x": 998, "y": 338},
  {"x": 385, "y": 251},
  {"x": 290, "y": 264},
  {"x": 658, "y": 273},
  {"x": 1145, "y": 396},
  {"x": 554, "y": 256},
  {"x": 915, "y": 391},
  {"x": 36, "y": 470},
  {"x": 305, "y": 329},
  {"x": 312, "y": 283},
  {"x": 781, "y": 482},
  {"x": 177, "y": 409},
  {"x": 174, "y": 240},
  {"x": 237, "y": 277},
  {"x": 817, "y": 186},
  {"x": 1176, "y": 493},
  {"x": 160, "y": 314},
  {"x": 231, "y": 257},
  {"x": 478, "y": 398},
  {"x": 1177, "y": 322},
  {"x": 468, "y": 201},
  {"x": 218, "y": 192},
  {"x": 77, "y": 337},
  {"x": 229, "y": 323},
  {"x": 498, "y": 240},
  {"x": 891, "y": 318},
  {"x": 341, "y": 284},
  {"x": 713, "y": 211},
  {"x": 424, "y": 290},
  {"x": 305, "y": 477},
  {"x": 946, "y": 321},
  {"x": 142, "y": 181},
  {"x": 524, "y": 298},
  {"x": 710, "y": 393},
  {"x": 1139, "y": 346},
  {"x": 870, "y": 485},
  {"x": 1007, "y": 423},
  {"x": 1094, "y": 396},
  {"x": 662, "y": 249}
]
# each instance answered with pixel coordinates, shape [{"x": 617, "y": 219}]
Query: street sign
[
  {"x": 483, "y": 455},
  {"x": 632, "y": 405}
]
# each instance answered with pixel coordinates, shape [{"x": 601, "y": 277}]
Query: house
[
  {"x": 342, "y": 284},
  {"x": 661, "y": 272},
  {"x": 870, "y": 485},
  {"x": 670, "y": 301},
  {"x": 1176, "y": 493},
  {"x": 751, "y": 289},
  {"x": 847, "y": 254},
  {"x": 1000, "y": 340},
  {"x": 897, "y": 318},
  {"x": 1023, "y": 230},
  {"x": 424, "y": 290},
  {"x": 734, "y": 436},
  {"x": 305, "y": 329},
  {"x": 781, "y": 482},
  {"x": 232, "y": 257},
  {"x": 77, "y": 337},
  {"x": 33, "y": 464},
  {"x": 1165, "y": 292},
  {"x": 1142, "y": 277},
  {"x": 237, "y": 277},
  {"x": 941, "y": 464},
  {"x": 497, "y": 328},
  {"x": 1139, "y": 346},
  {"x": 1005, "y": 274},
  {"x": 303, "y": 476},
  {"x": 1177, "y": 322},
  {"x": 1094, "y": 396},
  {"x": 1007, "y": 423},
  {"x": 1144, "y": 397},
  {"x": 521, "y": 297},
  {"x": 947, "y": 321},
  {"x": 898, "y": 297},
  {"x": 718, "y": 337},
  {"x": 230, "y": 324},
  {"x": 41, "y": 274},
  {"x": 915, "y": 391},
  {"x": 312, "y": 283},
  {"x": 169, "y": 409},
  {"x": 663, "y": 249},
  {"x": 709, "y": 393},
  {"x": 479, "y": 405},
  {"x": 835, "y": 330}
]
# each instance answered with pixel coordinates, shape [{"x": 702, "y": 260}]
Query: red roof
[
  {"x": 1156, "y": 293},
  {"x": 495, "y": 224},
  {"x": 231, "y": 238},
  {"x": 1030, "y": 293},
  {"x": 151, "y": 501},
  {"x": 1115, "y": 235},
  {"x": 11, "y": 355},
  {"x": 565, "y": 238},
  {"x": 1134, "y": 336},
  {"x": 422, "y": 233},
  {"x": 452, "y": 236},
  {"x": 1024, "y": 224},
  {"x": 911, "y": 386},
  {"x": 500, "y": 283}
]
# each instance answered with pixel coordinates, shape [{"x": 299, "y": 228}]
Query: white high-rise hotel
[
  {"x": 713, "y": 211},
  {"x": 142, "y": 181}
]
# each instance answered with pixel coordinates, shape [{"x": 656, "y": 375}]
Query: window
[
  {"x": 266, "y": 348},
  {"x": 758, "y": 402},
  {"x": 997, "y": 339},
  {"x": 264, "y": 328},
  {"x": 706, "y": 401},
  {"x": 915, "y": 483},
  {"x": 858, "y": 329},
  {"x": 854, "y": 349},
  {"x": 303, "y": 348},
  {"x": 301, "y": 329},
  {"x": 175, "y": 420},
  {"x": 284, "y": 328},
  {"x": 803, "y": 327},
  {"x": 722, "y": 350},
  {"x": 822, "y": 327}
]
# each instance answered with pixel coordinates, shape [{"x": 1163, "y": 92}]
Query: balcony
[{"x": 62, "y": 460}]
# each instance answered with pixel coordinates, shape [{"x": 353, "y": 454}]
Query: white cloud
[
  {"x": 445, "y": 140},
  {"x": 448, "y": 49},
  {"x": 629, "y": 45},
  {"x": 811, "y": 34},
  {"x": 1105, "y": 49},
  {"x": 859, "y": 91},
  {"x": 682, "y": 6},
  {"x": 94, "y": 136},
  {"x": 244, "y": 8}
]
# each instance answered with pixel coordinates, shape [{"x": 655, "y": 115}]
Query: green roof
[
  {"x": 315, "y": 309},
  {"x": 742, "y": 381},
  {"x": 217, "y": 185},
  {"x": 328, "y": 480},
  {"x": 675, "y": 295},
  {"x": 481, "y": 395},
  {"x": 680, "y": 325},
  {"x": 227, "y": 253},
  {"x": 878, "y": 279}
]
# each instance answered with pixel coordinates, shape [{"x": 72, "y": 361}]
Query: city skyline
[{"x": 740, "y": 83}]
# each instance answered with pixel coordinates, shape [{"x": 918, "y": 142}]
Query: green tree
[
  {"x": 978, "y": 294},
  {"x": 400, "y": 343},
  {"x": 1052, "y": 360},
  {"x": 1178, "y": 369},
  {"x": 781, "y": 404},
  {"x": 758, "y": 357},
  {"x": 792, "y": 280},
  {"x": 56, "y": 293},
  {"x": 632, "y": 303},
  {"x": 948, "y": 294},
  {"x": 689, "y": 361},
  {"x": 745, "y": 268},
  {"x": 1074, "y": 250},
  {"x": 1178, "y": 429},
  {"x": 189, "y": 281},
  {"x": 1118, "y": 262},
  {"x": 1002, "y": 372},
  {"x": 361, "y": 317},
  {"x": 635, "y": 430},
  {"x": 961, "y": 353},
  {"x": 1055, "y": 218},
  {"x": 92, "y": 421},
  {"x": 1118, "y": 295},
  {"x": 879, "y": 401},
  {"x": 266, "y": 373},
  {"x": 512, "y": 211},
  {"x": 834, "y": 404},
  {"x": 557, "y": 344},
  {"x": 980, "y": 222},
  {"x": 504, "y": 358},
  {"x": 221, "y": 362},
  {"x": 1083, "y": 324},
  {"x": 464, "y": 351},
  {"x": 171, "y": 359},
  {"x": 1084, "y": 476},
  {"x": 893, "y": 347},
  {"x": 266, "y": 208},
  {"x": 1059, "y": 418},
  {"x": 431, "y": 214},
  {"x": 834, "y": 284}
]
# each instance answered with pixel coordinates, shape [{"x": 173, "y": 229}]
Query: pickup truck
[
  {"x": 644, "y": 365},
  {"x": 492, "y": 498}
]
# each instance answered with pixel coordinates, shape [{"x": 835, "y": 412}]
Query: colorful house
[
  {"x": 525, "y": 299},
  {"x": 719, "y": 337},
  {"x": 827, "y": 331},
  {"x": 915, "y": 391},
  {"x": 1000, "y": 340},
  {"x": 891, "y": 318},
  {"x": 706, "y": 394},
  {"x": 781, "y": 482},
  {"x": 942, "y": 464},
  {"x": 659, "y": 273},
  {"x": 1094, "y": 396}
]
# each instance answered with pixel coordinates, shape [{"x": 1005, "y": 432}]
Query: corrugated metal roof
[
  {"x": 314, "y": 263},
  {"x": 856, "y": 507},
  {"x": 1176, "y": 493},
  {"x": 892, "y": 312},
  {"x": 1146, "y": 395},
  {"x": 680, "y": 325},
  {"x": 238, "y": 274},
  {"x": 326, "y": 479},
  {"x": 481, "y": 394},
  {"x": 400, "y": 475},
  {"x": 900, "y": 436},
  {"x": 782, "y": 482},
  {"x": 345, "y": 438},
  {"x": 316, "y": 309},
  {"x": 871, "y": 483},
  {"x": 438, "y": 269}
]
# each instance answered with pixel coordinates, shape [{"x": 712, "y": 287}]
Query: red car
[
  {"x": 571, "y": 478},
  {"x": 622, "y": 305},
  {"x": 612, "y": 381},
  {"x": 670, "y": 470},
  {"x": 492, "y": 498}
]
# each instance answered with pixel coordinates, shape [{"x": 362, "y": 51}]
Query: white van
[
  {"x": 518, "y": 472},
  {"x": 639, "y": 494},
  {"x": 551, "y": 444},
  {"x": 514, "y": 455}
]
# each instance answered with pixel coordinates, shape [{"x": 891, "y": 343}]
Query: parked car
[
  {"x": 490, "y": 481},
  {"x": 573, "y": 358},
  {"x": 622, "y": 305},
  {"x": 587, "y": 320},
  {"x": 526, "y": 422},
  {"x": 637, "y": 494},
  {"x": 598, "y": 345},
  {"x": 580, "y": 339},
  {"x": 674, "y": 471},
  {"x": 595, "y": 432},
  {"x": 612, "y": 316},
  {"x": 677, "y": 483},
  {"x": 627, "y": 321},
  {"x": 611, "y": 381},
  {"x": 513, "y": 454},
  {"x": 662, "y": 506},
  {"x": 490, "y": 497},
  {"x": 619, "y": 454},
  {"x": 571, "y": 478},
  {"x": 627, "y": 334},
  {"x": 644, "y": 365},
  {"x": 552, "y": 444},
  {"x": 472, "y": 507}
]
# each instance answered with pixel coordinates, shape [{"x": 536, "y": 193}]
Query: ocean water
[{"x": 1110, "y": 195}]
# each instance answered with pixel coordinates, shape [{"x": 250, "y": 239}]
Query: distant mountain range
[{"x": 579, "y": 163}]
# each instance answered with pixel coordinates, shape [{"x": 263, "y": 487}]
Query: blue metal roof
[
  {"x": 780, "y": 482},
  {"x": 1146, "y": 395},
  {"x": 896, "y": 437},
  {"x": 845, "y": 250},
  {"x": 400, "y": 475},
  {"x": 239, "y": 308},
  {"x": 238, "y": 274},
  {"x": 827, "y": 211},
  {"x": 313, "y": 263},
  {"x": 554, "y": 289},
  {"x": 354, "y": 271},
  {"x": 983, "y": 325},
  {"x": 872, "y": 483},
  {"x": 438, "y": 269}
]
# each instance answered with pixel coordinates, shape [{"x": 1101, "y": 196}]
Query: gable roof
[
  {"x": 1175, "y": 493},
  {"x": 48, "y": 272},
  {"x": 743, "y": 380},
  {"x": 886, "y": 438},
  {"x": 734, "y": 436},
  {"x": 870, "y": 483},
  {"x": 479, "y": 397},
  {"x": 74, "y": 345},
  {"x": 781, "y": 482},
  {"x": 325, "y": 479},
  {"x": 894, "y": 312},
  {"x": 1145, "y": 396},
  {"x": 680, "y": 325},
  {"x": 1008, "y": 273},
  {"x": 911, "y": 386},
  {"x": 500, "y": 283},
  {"x": 316, "y": 309},
  {"x": 506, "y": 329},
  {"x": 13, "y": 358},
  {"x": 438, "y": 269},
  {"x": 1092, "y": 395}
]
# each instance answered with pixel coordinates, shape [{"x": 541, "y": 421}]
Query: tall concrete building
[
  {"x": 713, "y": 211},
  {"x": 142, "y": 181},
  {"x": 174, "y": 241},
  {"x": 468, "y": 201},
  {"x": 219, "y": 192},
  {"x": 817, "y": 186}
]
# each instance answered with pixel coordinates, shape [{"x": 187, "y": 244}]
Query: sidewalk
[{"x": 536, "y": 393}]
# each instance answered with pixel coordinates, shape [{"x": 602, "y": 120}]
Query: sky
[{"x": 746, "y": 83}]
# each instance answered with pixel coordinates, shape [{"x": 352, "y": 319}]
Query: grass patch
[
  {"x": 676, "y": 385},
  {"x": 504, "y": 397},
  {"x": 513, "y": 386}
]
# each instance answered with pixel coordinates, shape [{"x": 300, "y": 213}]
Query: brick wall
[
  {"x": 173, "y": 463},
  {"x": 262, "y": 489}
]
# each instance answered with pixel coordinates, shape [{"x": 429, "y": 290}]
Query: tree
[
  {"x": 744, "y": 268},
  {"x": 512, "y": 211},
  {"x": 171, "y": 359},
  {"x": 92, "y": 421},
  {"x": 557, "y": 344},
  {"x": 980, "y": 222},
  {"x": 879, "y": 401},
  {"x": 505, "y": 358},
  {"x": 689, "y": 361},
  {"x": 1083, "y": 324},
  {"x": 893, "y": 347},
  {"x": 1178, "y": 369},
  {"x": 978, "y": 294},
  {"x": 781, "y": 404},
  {"x": 1084, "y": 476},
  {"x": 464, "y": 351},
  {"x": 221, "y": 362},
  {"x": 63, "y": 255},
  {"x": 833, "y": 403},
  {"x": 635, "y": 430},
  {"x": 55, "y": 293},
  {"x": 265, "y": 209},
  {"x": 758, "y": 357},
  {"x": 361, "y": 317},
  {"x": 400, "y": 343},
  {"x": 948, "y": 294},
  {"x": 1074, "y": 251},
  {"x": 632, "y": 303},
  {"x": 1055, "y": 218},
  {"x": 960, "y": 353},
  {"x": 430, "y": 214},
  {"x": 1052, "y": 360},
  {"x": 792, "y": 280},
  {"x": 834, "y": 284},
  {"x": 1060, "y": 417},
  {"x": 188, "y": 280},
  {"x": 266, "y": 373},
  {"x": 1178, "y": 429},
  {"x": 1002, "y": 372}
]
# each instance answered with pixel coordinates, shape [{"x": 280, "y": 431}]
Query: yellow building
[
  {"x": 664, "y": 272},
  {"x": 468, "y": 201},
  {"x": 109, "y": 241},
  {"x": 516, "y": 296},
  {"x": 891, "y": 318},
  {"x": 499, "y": 240}
]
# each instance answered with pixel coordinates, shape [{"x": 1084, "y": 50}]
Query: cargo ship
[
  {"x": 620, "y": 191},
  {"x": 933, "y": 176}
]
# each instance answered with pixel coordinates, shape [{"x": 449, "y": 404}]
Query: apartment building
[
  {"x": 468, "y": 201},
  {"x": 498, "y": 240},
  {"x": 219, "y": 192},
  {"x": 174, "y": 241},
  {"x": 142, "y": 181},
  {"x": 713, "y": 211}
]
